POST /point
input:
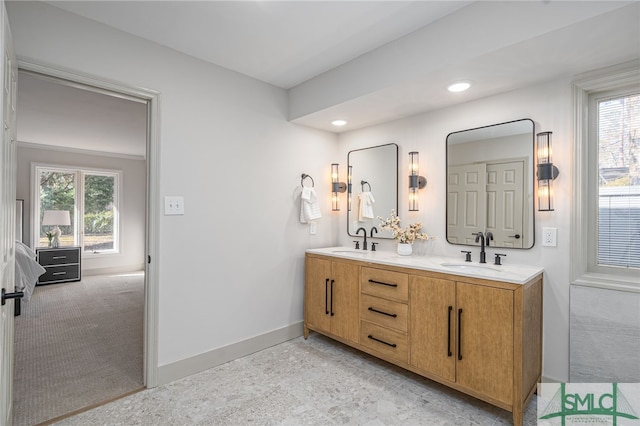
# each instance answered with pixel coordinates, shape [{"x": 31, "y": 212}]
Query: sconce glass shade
[
  {"x": 335, "y": 201},
  {"x": 416, "y": 182},
  {"x": 336, "y": 186},
  {"x": 349, "y": 177},
  {"x": 547, "y": 172}
]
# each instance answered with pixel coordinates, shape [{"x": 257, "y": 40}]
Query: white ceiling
[
  {"x": 321, "y": 51},
  {"x": 51, "y": 112},
  {"x": 280, "y": 42}
]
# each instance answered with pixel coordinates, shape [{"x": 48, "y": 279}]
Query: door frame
[{"x": 152, "y": 98}]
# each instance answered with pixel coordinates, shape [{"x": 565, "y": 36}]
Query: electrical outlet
[
  {"x": 173, "y": 206},
  {"x": 550, "y": 237}
]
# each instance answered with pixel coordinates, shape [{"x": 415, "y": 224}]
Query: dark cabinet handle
[
  {"x": 393, "y": 345},
  {"x": 326, "y": 296},
  {"x": 381, "y": 283},
  {"x": 459, "y": 334},
  {"x": 449, "y": 332},
  {"x": 383, "y": 313},
  {"x": 331, "y": 310}
]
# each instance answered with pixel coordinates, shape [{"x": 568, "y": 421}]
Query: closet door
[{"x": 467, "y": 202}]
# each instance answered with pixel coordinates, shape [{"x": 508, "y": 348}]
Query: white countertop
[{"x": 516, "y": 274}]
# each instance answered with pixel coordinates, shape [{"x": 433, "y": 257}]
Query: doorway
[{"x": 149, "y": 175}]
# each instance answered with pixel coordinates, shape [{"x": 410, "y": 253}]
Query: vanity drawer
[
  {"x": 388, "y": 284},
  {"x": 384, "y": 341},
  {"x": 384, "y": 312}
]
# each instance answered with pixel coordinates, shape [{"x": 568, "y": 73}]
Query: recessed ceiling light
[
  {"x": 339, "y": 122},
  {"x": 459, "y": 86}
]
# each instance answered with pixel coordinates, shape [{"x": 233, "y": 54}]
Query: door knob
[
  {"x": 16, "y": 295},
  {"x": 515, "y": 236}
]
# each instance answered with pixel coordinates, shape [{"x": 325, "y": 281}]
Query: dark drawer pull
[
  {"x": 381, "y": 283},
  {"x": 59, "y": 273},
  {"x": 393, "y": 345},
  {"x": 59, "y": 257},
  {"x": 383, "y": 313}
]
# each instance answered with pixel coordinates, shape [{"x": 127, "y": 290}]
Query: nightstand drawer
[
  {"x": 60, "y": 273},
  {"x": 58, "y": 256}
]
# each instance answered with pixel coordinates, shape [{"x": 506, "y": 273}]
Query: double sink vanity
[{"x": 473, "y": 327}]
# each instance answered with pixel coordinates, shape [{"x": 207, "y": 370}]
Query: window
[
  {"x": 605, "y": 238},
  {"x": 90, "y": 197},
  {"x": 617, "y": 135}
]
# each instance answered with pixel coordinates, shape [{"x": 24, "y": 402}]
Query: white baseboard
[
  {"x": 186, "y": 367},
  {"x": 112, "y": 270}
]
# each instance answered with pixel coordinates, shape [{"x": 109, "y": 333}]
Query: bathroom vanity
[{"x": 475, "y": 328}]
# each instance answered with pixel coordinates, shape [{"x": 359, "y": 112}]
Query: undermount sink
[
  {"x": 471, "y": 268},
  {"x": 348, "y": 252}
]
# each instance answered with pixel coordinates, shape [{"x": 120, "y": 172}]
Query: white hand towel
[
  {"x": 365, "y": 208},
  {"x": 309, "y": 207}
]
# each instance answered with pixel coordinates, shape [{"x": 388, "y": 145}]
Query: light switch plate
[
  {"x": 173, "y": 205},
  {"x": 550, "y": 237}
]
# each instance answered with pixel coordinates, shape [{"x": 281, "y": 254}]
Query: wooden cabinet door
[
  {"x": 345, "y": 301},
  {"x": 485, "y": 350},
  {"x": 317, "y": 293},
  {"x": 432, "y": 325}
]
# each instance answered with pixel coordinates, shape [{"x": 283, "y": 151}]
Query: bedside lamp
[{"x": 56, "y": 218}]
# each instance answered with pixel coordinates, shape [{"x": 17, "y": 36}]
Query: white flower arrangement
[{"x": 404, "y": 235}]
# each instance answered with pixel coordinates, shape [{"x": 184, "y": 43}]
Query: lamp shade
[{"x": 56, "y": 217}]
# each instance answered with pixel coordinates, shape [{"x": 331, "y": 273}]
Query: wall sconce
[
  {"x": 336, "y": 186},
  {"x": 349, "y": 176},
  {"x": 416, "y": 182},
  {"x": 547, "y": 172}
]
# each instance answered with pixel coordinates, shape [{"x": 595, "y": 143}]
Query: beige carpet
[{"x": 78, "y": 344}]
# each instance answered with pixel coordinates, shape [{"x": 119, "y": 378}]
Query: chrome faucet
[
  {"x": 364, "y": 243},
  {"x": 482, "y": 238}
]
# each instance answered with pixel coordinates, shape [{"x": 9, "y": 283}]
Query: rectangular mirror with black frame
[{"x": 490, "y": 184}]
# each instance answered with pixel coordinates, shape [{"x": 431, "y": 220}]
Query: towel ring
[
  {"x": 304, "y": 176},
  {"x": 363, "y": 183}
]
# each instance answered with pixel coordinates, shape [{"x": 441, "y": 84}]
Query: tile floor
[{"x": 301, "y": 382}]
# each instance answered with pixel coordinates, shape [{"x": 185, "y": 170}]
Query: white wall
[
  {"x": 549, "y": 106},
  {"x": 132, "y": 208},
  {"x": 232, "y": 267}
]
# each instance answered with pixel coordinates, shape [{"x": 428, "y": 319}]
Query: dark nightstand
[{"x": 62, "y": 264}]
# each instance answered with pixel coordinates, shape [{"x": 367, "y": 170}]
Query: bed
[{"x": 27, "y": 272}]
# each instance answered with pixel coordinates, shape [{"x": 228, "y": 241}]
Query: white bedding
[{"x": 27, "y": 270}]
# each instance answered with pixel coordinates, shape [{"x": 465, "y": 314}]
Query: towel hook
[
  {"x": 363, "y": 183},
  {"x": 304, "y": 176}
]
